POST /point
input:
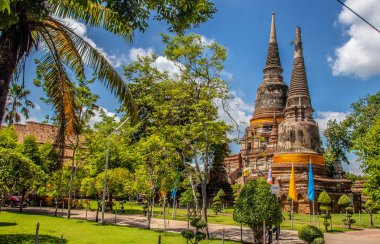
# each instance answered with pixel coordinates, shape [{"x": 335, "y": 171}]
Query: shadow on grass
[
  {"x": 7, "y": 224},
  {"x": 27, "y": 238}
]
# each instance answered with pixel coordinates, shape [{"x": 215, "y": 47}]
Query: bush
[
  {"x": 217, "y": 205},
  {"x": 309, "y": 233},
  {"x": 188, "y": 235},
  {"x": 319, "y": 240}
]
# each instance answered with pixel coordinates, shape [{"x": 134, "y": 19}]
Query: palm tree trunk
[
  {"x": 72, "y": 175},
  {"x": 8, "y": 63}
]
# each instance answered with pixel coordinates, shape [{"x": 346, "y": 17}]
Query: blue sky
[{"x": 342, "y": 54}]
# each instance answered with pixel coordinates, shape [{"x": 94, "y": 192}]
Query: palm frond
[
  {"x": 60, "y": 89},
  {"x": 103, "y": 69},
  {"x": 94, "y": 14}
]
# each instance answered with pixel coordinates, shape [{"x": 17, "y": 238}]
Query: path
[
  {"x": 231, "y": 232},
  {"x": 363, "y": 236}
]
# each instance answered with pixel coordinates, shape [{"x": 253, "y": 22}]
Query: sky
[{"x": 342, "y": 53}]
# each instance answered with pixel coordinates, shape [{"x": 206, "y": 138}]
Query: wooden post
[
  {"x": 241, "y": 233},
  {"x": 223, "y": 235},
  {"x": 159, "y": 239},
  {"x": 40, "y": 205},
  {"x": 359, "y": 217},
  {"x": 291, "y": 213},
  {"x": 86, "y": 211},
  {"x": 37, "y": 233},
  {"x": 115, "y": 216},
  {"x": 63, "y": 206},
  {"x": 264, "y": 234}
]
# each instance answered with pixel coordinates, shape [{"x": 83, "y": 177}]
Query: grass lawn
[
  {"x": 226, "y": 217},
  {"x": 20, "y": 228}
]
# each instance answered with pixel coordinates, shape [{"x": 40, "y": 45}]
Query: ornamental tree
[
  {"x": 345, "y": 204},
  {"x": 324, "y": 201},
  {"x": 256, "y": 205},
  {"x": 217, "y": 205},
  {"x": 371, "y": 208}
]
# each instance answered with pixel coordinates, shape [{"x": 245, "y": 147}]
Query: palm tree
[
  {"x": 38, "y": 24},
  {"x": 27, "y": 25},
  {"x": 17, "y": 99}
]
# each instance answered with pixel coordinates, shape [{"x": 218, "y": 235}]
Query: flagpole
[
  {"x": 291, "y": 213},
  {"x": 313, "y": 214}
]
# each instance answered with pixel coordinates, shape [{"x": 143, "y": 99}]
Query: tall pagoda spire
[
  {"x": 298, "y": 135},
  {"x": 299, "y": 103},
  {"x": 273, "y": 64},
  {"x": 272, "y": 92}
]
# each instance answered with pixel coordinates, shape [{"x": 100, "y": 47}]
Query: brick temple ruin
[{"x": 283, "y": 131}]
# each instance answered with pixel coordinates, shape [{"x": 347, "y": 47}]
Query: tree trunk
[
  {"x": 70, "y": 189},
  {"x": 97, "y": 212},
  {"x": 149, "y": 215},
  {"x": 194, "y": 190},
  {"x": 8, "y": 64},
  {"x": 204, "y": 182},
  {"x": 23, "y": 192},
  {"x": 56, "y": 207}
]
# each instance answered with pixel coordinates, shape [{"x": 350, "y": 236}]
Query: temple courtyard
[{"x": 130, "y": 228}]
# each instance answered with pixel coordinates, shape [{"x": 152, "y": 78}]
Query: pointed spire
[
  {"x": 298, "y": 104},
  {"x": 298, "y": 82},
  {"x": 273, "y": 36},
  {"x": 273, "y": 57}
]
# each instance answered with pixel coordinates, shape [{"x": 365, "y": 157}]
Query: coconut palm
[
  {"x": 28, "y": 25},
  {"x": 17, "y": 98},
  {"x": 38, "y": 24}
]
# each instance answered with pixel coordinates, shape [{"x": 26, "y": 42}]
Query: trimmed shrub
[
  {"x": 309, "y": 233},
  {"x": 319, "y": 240},
  {"x": 217, "y": 205},
  {"x": 188, "y": 235}
]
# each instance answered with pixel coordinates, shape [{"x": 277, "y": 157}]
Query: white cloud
[
  {"x": 161, "y": 63},
  {"x": 97, "y": 118},
  {"x": 135, "y": 53},
  {"x": 116, "y": 60},
  {"x": 207, "y": 41},
  {"x": 354, "y": 166},
  {"x": 360, "y": 55},
  {"x": 239, "y": 110},
  {"x": 322, "y": 117}
]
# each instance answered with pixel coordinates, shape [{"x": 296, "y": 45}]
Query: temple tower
[
  {"x": 298, "y": 135},
  {"x": 258, "y": 145}
]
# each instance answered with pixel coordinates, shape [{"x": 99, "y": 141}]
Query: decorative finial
[
  {"x": 273, "y": 37},
  {"x": 298, "y": 44}
]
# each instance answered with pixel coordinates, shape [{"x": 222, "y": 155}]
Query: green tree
[
  {"x": 371, "y": 208},
  {"x": 217, "y": 204},
  {"x": 324, "y": 201},
  {"x": 236, "y": 189},
  {"x": 33, "y": 23},
  {"x": 360, "y": 133},
  {"x": 221, "y": 194},
  {"x": 17, "y": 173},
  {"x": 17, "y": 99},
  {"x": 345, "y": 204},
  {"x": 255, "y": 206},
  {"x": 182, "y": 106},
  {"x": 8, "y": 137},
  {"x": 337, "y": 145},
  {"x": 57, "y": 186},
  {"x": 157, "y": 169},
  {"x": 26, "y": 24}
]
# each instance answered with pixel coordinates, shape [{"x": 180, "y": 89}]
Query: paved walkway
[
  {"x": 363, "y": 236},
  {"x": 216, "y": 230}
]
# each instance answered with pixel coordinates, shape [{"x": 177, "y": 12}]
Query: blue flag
[
  {"x": 310, "y": 187},
  {"x": 175, "y": 188},
  {"x": 174, "y": 192}
]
